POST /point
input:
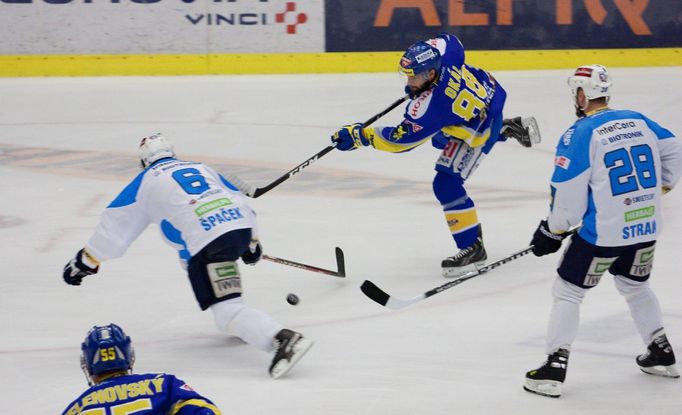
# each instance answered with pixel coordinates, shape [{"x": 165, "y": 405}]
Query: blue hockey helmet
[
  {"x": 106, "y": 349},
  {"x": 419, "y": 58}
]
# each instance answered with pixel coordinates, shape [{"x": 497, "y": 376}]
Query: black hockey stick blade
[
  {"x": 340, "y": 263},
  {"x": 378, "y": 295},
  {"x": 375, "y": 293}
]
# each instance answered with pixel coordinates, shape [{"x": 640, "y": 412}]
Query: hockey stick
[
  {"x": 250, "y": 191},
  {"x": 340, "y": 264},
  {"x": 378, "y": 295}
]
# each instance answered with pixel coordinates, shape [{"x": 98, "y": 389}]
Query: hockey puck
[{"x": 292, "y": 299}]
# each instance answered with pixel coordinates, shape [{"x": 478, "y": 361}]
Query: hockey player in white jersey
[
  {"x": 211, "y": 225},
  {"x": 611, "y": 168}
]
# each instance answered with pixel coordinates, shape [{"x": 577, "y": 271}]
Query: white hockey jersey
[
  {"x": 609, "y": 170},
  {"x": 191, "y": 203}
]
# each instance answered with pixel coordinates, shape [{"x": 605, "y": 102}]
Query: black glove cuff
[{"x": 544, "y": 229}]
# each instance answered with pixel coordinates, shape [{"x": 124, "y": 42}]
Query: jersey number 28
[{"x": 630, "y": 169}]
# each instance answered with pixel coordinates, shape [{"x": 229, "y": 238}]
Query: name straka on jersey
[
  {"x": 146, "y": 387},
  {"x": 640, "y": 229}
]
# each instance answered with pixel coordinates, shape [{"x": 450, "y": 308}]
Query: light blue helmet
[{"x": 106, "y": 349}]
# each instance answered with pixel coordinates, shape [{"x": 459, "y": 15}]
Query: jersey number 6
[{"x": 191, "y": 181}]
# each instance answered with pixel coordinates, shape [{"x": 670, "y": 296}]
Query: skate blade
[
  {"x": 456, "y": 272},
  {"x": 665, "y": 371},
  {"x": 549, "y": 388},
  {"x": 533, "y": 129},
  {"x": 284, "y": 366}
]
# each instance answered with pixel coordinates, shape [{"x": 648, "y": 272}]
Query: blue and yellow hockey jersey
[
  {"x": 460, "y": 105},
  {"x": 147, "y": 394}
]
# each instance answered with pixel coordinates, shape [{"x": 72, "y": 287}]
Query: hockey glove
[
  {"x": 545, "y": 241},
  {"x": 253, "y": 254},
  {"x": 82, "y": 265},
  {"x": 350, "y": 137}
]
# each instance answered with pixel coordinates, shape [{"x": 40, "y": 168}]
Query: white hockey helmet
[
  {"x": 155, "y": 147},
  {"x": 594, "y": 80}
]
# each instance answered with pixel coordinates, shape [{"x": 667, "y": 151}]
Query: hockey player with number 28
[
  {"x": 107, "y": 358},
  {"x": 611, "y": 168},
  {"x": 459, "y": 108},
  {"x": 211, "y": 225}
]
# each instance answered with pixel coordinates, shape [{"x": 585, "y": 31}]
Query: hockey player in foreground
[
  {"x": 611, "y": 168},
  {"x": 107, "y": 360},
  {"x": 211, "y": 225},
  {"x": 459, "y": 108}
]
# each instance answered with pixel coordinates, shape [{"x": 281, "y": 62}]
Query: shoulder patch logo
[
  {"x": 566, "y": 138},
  {"x": 562, "y": 161}
]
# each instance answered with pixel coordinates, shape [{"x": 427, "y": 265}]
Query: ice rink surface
[{"x": 68, "y": 146}]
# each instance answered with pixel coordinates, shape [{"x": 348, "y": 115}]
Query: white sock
[
  {"x": 644, "y": 307},
  {"x": 253, "y": 326},
  {"x": 565, "y": 315}
]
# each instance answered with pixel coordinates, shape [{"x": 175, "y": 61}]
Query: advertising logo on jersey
[
  {"x": 413, "y": 126},
  {"x": 566, "y": 138},
  {"x": 418, "y": 106},
  {"x": 562, "y": 161},
  {"x": 639, "y": 199}
]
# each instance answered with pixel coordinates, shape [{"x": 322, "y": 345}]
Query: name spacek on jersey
[
  {"x": 609, "y": 170},
  {"x": 191, "y": 203}
]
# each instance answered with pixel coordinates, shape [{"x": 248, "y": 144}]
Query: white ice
[{"x": 68, "y": 146}]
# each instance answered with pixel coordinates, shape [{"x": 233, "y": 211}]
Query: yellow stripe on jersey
[
  {"x": 195, "y": 402},
  {"x": 459, "y": 220},
  {"x": 470, "y": 136},
  {"x": 380, "y": 143}
]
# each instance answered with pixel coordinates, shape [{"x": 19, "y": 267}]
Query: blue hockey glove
[
  {"x": 254, "y": 253},
  {"x": 545, "y": 241},
  {"x": 82, "y": 265},
  {"x": 350, "y": 137}
]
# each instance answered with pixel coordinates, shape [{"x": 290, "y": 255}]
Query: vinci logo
[
  {"x": 299, "y": 18},
  {"x": 289, "y": 17}
]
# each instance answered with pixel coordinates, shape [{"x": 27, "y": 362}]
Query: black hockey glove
[
  {"x": 544, "y": 241},
  {"x": 253, "y": 254},
  {"x": 79, "y": 267}
]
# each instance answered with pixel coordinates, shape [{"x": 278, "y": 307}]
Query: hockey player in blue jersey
[
  {"x": 107, "y": 360},
  {"x": 459, "y": 108},
  {"x": 211, "y": 224},
  {"x": 611, "y": 168}
]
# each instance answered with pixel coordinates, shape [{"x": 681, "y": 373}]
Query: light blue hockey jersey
[
  {"x": 192, "y": 204},
  {"x": 148, "y": 394},
  {"x": 610, "y": 167}
]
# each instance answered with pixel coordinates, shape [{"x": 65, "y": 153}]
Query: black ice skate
[
  {"x": 290, "y": 347},
  {"x": 659, "y": 358},
  {"x": 548, "y": 378},
  {"x": 465, "y": 260},
  {"x": 525, "y": 130}
]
